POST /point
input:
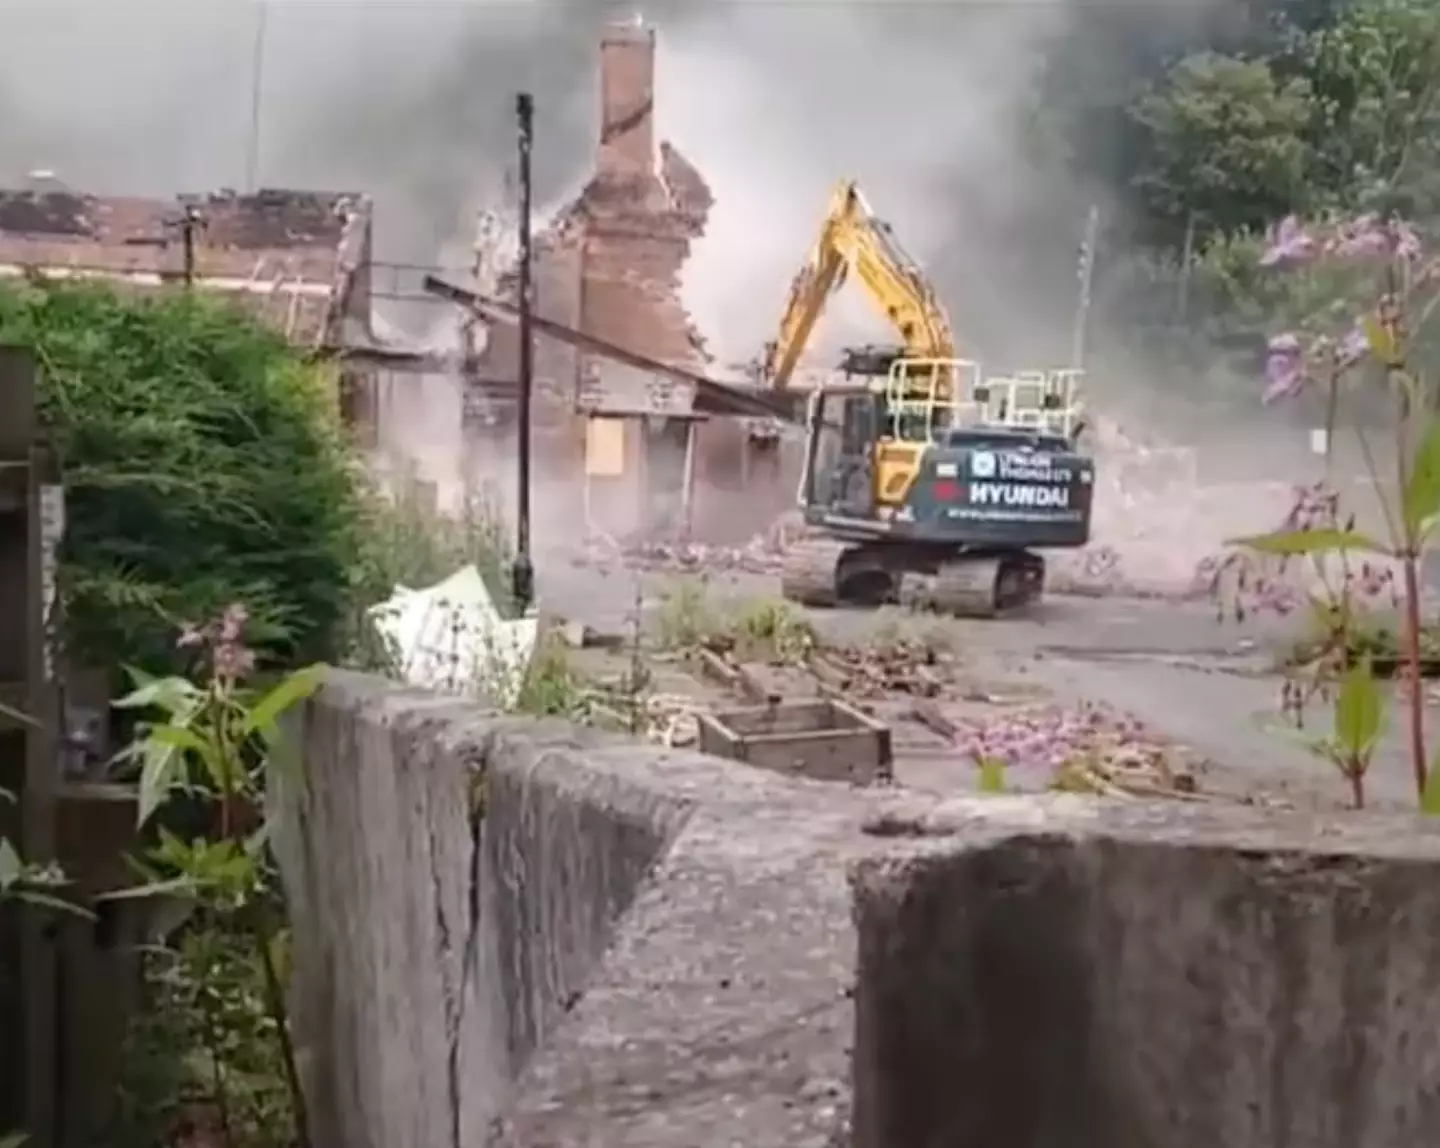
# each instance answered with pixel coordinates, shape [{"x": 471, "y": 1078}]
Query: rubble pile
[
  {"x": 1156, "y": 525},
  {"x": 763, "y": 554},
  {"x": 902, "y": 667},
  {"x": 1089, "y": 749}
]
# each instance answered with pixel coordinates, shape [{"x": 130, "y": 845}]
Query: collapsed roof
[{"x": 290, "y": 255}]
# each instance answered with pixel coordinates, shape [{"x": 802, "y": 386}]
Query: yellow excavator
[{"x": 925, "y": 481}]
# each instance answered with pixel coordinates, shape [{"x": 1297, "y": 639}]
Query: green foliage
[
  {"x": 1224, "y": 143},
  {"x": 407, "y": 542},
  {"x": 28, "y": 883},
  {"x": 1372, "y": 115},
  {"x": 204, "y": 1045},
  {"x": 202, "y": 466},
  {"x": 217, "y": 1026},
  {"x": 1296, "y": 543},
  {"x": 992, "y": 775}
]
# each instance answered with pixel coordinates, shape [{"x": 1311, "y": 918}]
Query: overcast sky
[{"x": 412, "y": 101}]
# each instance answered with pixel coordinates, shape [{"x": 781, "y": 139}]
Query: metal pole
[
  {"x": 257, "y": 77},
  {"x": 1087, "y": 281},
  {"x": 523, "y": 575},
  {"x": 191, "y": 223}
]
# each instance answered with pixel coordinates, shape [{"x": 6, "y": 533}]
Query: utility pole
[
  {"x": 257, "y": 84},
  {"x": 1086, "y": 275},
  {"x": 191, "y": 222},
  {"x": 523, "y": 575}
]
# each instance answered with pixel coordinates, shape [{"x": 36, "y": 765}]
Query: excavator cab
[{"x": 869, "y": 431}]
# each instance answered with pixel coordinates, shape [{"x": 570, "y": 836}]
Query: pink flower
[
  {"x": 1352, "y": 348},
  {"x": 232, "y": 622},
  {"x": 1289, "y": 244},
  {"x": 1284, "y": 368}
]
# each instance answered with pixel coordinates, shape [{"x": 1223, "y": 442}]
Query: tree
[
  {"x": 1224, "y": 142},
  {"x": 202, "y": 467},
  {"x": 1374, "y": 77}
]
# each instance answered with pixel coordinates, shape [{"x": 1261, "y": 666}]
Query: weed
[
  {"x": 552, "y": 687},
  {"x": 218, "y": 986},
  {"x": 687, "y": 617},
  {"x": 774, "y": 631}
]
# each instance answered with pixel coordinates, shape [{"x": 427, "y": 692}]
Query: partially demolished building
[
  {"x": 299, "y": 259},
  {"x": 610, "y": 267}
]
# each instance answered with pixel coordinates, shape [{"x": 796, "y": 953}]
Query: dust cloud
[{"x": 925, "y": 104}]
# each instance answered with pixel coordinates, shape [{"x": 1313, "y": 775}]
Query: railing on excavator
[{"x": 926, "y": 395}]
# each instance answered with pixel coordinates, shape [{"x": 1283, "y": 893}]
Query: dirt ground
[{"x": 1186, "y": 703}]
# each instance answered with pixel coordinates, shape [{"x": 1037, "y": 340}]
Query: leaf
[
  {"x": 1382, "y": 341},
  {"x": 11, "y": 867},
  {"x": 295, "y": 687},
  {"x": 173, "y": 695},
  {"x": 1292, "y": 543},
  {"x": 1430, "y": 799},
  {"x": 992, "y": 775},
  {"x": 175, "y": 886},
  {"x": 14, "y": 1140},
  {"x": 1359, "y": 711},
  {"x": 58, "y": 904},
  {"x": 1420, "y": 500},
  {"x": 160, "y": 770}
]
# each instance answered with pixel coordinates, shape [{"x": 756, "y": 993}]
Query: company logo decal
[{"x": 1014, "y": 494}]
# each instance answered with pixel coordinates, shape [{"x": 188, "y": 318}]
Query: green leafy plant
[
  {"x": 1409, "y": 494},
  {"x": 1359, "y": 720},
  {"x": 203, "y": 464},
  {"x": 207, "y": 746},
  {"x": 686, "y": 617}
]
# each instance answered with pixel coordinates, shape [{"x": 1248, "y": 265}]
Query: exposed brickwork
[
  {"x": 643, "y": 212},
  {"x": 610, "y": 267}
]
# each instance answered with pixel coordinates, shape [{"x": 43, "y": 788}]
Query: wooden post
[
  {"x": 687, "y": 487},
  {"x": 28, "y": 494}
]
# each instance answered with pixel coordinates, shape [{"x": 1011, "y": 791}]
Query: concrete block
[
  {"x": 521, "y": 933},
  {"x": 1055, "y": 971}
]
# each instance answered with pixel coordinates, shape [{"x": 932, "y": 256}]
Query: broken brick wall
[
  {"x": 611, "y": 267},
  {"x": 642, "y": 211}
]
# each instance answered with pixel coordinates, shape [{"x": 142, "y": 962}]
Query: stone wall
[{"x": 518, "y": 934}]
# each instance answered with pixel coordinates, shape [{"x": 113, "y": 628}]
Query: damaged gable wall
[
  {"x": 641, "y": 215},
  {"x": 610, "y": 266}
]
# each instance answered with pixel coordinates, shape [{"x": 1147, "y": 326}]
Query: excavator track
[
  {"x": 984, "y": 587},
  {"x": 828, "y": 572},
  {"x": 809, "y": 575}
]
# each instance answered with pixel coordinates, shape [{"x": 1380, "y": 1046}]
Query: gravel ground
[{"x": 1203, "y": 683}]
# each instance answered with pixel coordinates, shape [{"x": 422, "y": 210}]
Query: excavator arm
[{"x": 853, "y": 240}]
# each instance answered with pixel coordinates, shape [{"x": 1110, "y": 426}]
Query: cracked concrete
[{"x": 519, "y": 934}]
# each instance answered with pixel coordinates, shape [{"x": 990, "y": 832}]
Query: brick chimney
[{"x": 627, "y": 99}]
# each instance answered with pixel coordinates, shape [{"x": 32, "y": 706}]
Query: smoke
[
  {"x": 412, "y": 101},
  {"x": 920, "y": 104},
  {"x": 926, "y": 105}
]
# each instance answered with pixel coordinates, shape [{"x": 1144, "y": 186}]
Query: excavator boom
[{"x": 854, "y": 240}]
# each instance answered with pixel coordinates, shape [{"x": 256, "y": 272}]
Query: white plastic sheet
[{"x": 451, "y": 638}]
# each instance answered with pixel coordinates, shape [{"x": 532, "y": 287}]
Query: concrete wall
[
  {"x": 1057, "y": 973},
  {"x": 513, "y": 934},
  {"x": 436, "y": 953}
]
